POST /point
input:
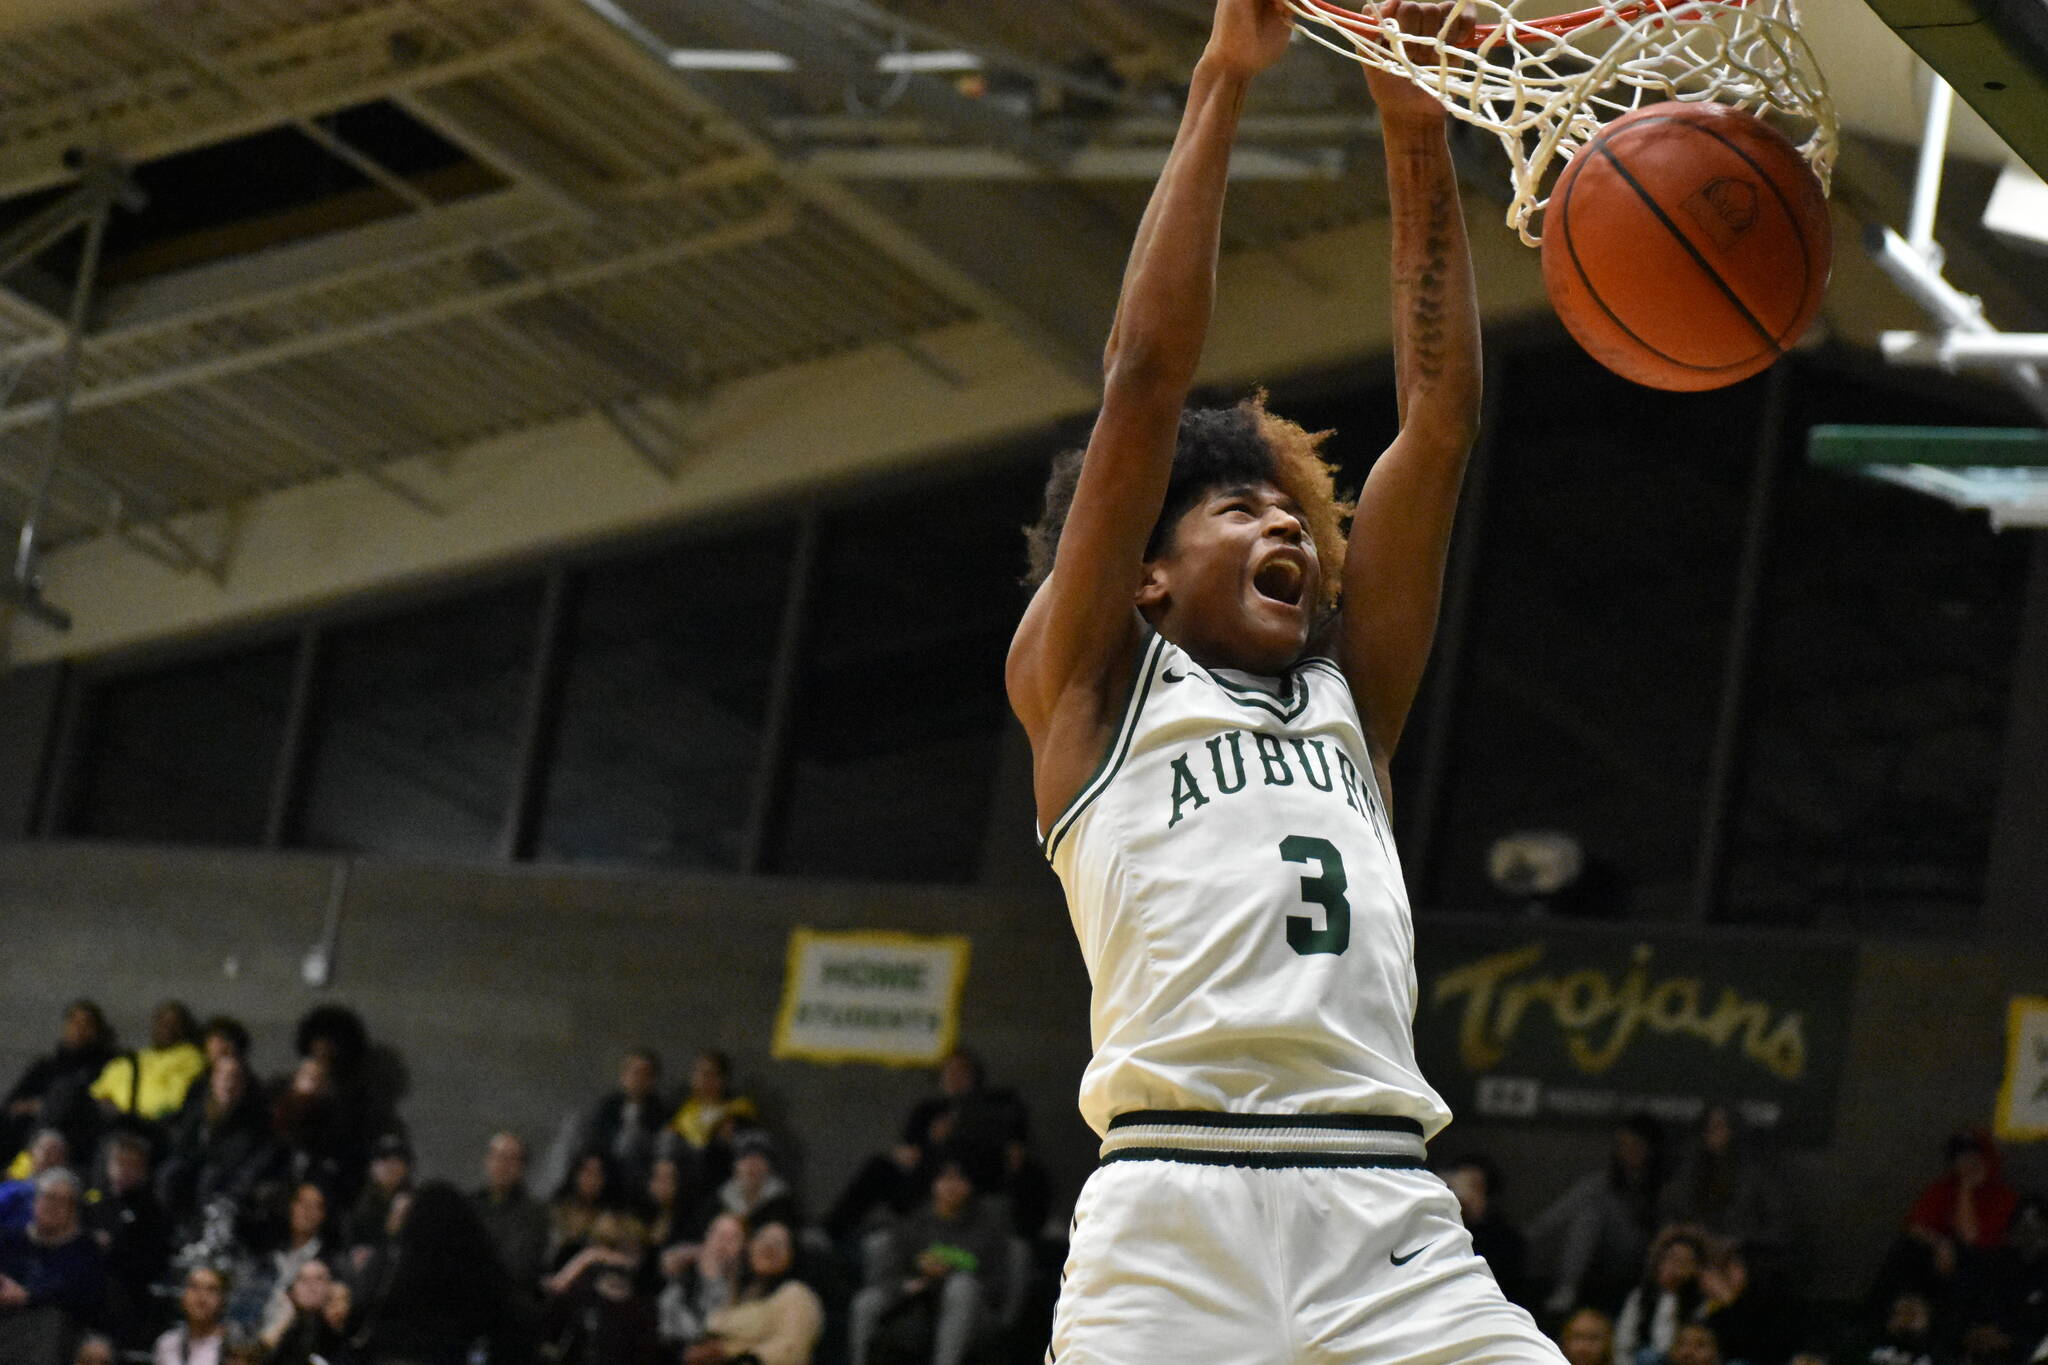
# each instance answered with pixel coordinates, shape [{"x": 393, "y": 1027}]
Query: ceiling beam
[
  {"x": 1076, "y": 356},
  {"x": 149, "y": 132},
  {"x": 777, "y": 220}
]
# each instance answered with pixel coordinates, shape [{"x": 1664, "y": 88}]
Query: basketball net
[{"x": 1546, "y": 85}]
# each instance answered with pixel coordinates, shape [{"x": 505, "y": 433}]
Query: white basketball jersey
[{"x": 1232, "y": 877}]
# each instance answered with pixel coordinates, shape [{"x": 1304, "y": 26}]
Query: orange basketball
[{"x": 1687, "y": 246}]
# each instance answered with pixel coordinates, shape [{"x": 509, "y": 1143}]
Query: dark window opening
[
  {"x": 186, "y": 754},
  {"x": 672, "y": 658},
  {"x": 262, "y": 190},
  {"x": 416, "y": 725},
  {"x": 900, "y": 710}
]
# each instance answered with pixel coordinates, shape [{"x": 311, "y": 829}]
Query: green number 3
[{"x": 1326, "y": 889}]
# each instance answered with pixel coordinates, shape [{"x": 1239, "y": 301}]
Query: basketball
[{"x": 1687, "y": 246}]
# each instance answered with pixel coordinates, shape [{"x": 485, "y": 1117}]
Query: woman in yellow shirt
[{"x": 150, "y": 1083}]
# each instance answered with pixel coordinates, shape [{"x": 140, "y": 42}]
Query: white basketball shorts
[{"x": 1225, "y": 1239}]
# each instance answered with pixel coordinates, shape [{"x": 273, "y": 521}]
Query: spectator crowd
[{"x": 164, "y": 1204}]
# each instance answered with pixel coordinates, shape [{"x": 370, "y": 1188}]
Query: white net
[{"x": 1546, "y": 84}]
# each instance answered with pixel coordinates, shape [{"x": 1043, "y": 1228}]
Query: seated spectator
[
  {"x": 669, "y": 1204},
  {"x": 627, "y": 1124},
  {"x": 221, "y": 1150},
  {"x": 1668, "y": 1296},
  {"x": 390, "y": 1174},
  {"x": 1908, "y": 1336},
  {"x": 989, "y": 1128},
  {"x": 441, "y": 1290},
  {"x": 311, "y": 1326},
  {"x": 360, "y": 1105},
  {"x": 941, "y": 1280},
  {"x": 322, "y": 1137},
  {"x": 701, "y": 1280},
  {"x": 48, "y": 1150},
  {"x": 1601, "y": 1225},
  {"x": 617, "y": 1241},
  {"x": 711, "y": 1116},
  {"x": 600, "y": 1309},
  {"x": 1750, "y": 1322},
  {"x": 755, "y": 1191},
  {"x": 2001, "y": 1299},
  {"x": 1694, "y": 1344},
  {"x": 1960, "y": 1215},
  {"x": 516, "y": 1221},
  {"x": 1722, "y": 1187},
  {"x": 52, "y": 1277},
  {"x": 367, "y": 1261},
  {"x": 52, "y": 1091},
  {"x": 201, "y": 1336},
  {"x": 265, "y": 1296},
  {"x": 223, "y": 1036},
  {"x": 1475, "y": 1180},
  {"x": 1587, "y": 1338},
  {"x": 124, "y": 1217},
  {"x": 776, "y": 1319},
  {"x": 147, "y": 1087},
  {"x": 590, "y": 1188},
  {"x": 94, "y": 1348}
]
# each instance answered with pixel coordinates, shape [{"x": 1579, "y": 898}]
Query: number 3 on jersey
[{"x": 1326, "y": 889}]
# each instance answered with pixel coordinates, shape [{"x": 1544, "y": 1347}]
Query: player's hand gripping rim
[
  {"x": 1247, "y": 36},
  {"x": 1400, "y": 98}
]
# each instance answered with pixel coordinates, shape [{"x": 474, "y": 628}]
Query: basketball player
[{"x": 1210, "y": 737}]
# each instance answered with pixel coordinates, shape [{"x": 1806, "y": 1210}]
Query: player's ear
[{"x": 1151, "y": 586}]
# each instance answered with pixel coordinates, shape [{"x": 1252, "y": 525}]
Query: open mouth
[{"x": 1281, "y": 579}]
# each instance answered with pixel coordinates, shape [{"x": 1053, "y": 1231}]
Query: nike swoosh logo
[
  {"x": 1404, "y": 1260},
  {"x": 1170, "y": 676}
]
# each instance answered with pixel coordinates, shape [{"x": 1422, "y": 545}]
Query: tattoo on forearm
[{"x": 1426, "y": 305}]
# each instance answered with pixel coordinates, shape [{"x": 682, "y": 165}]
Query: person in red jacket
[
  {"x": 1968, "y": 1209},
  {"x": 1959, "y": 1216}
]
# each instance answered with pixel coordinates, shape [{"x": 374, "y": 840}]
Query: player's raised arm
[
  {"x": 1394, "y": 566},
  {"x": 1078, "y": 639}
]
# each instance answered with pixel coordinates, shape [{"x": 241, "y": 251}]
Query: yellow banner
[
  {"x": 871, "y": 996},
  {"x": 2023, "y": 1098}
]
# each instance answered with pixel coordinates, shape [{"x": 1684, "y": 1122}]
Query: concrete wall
[{"x": 511, "y": 992}]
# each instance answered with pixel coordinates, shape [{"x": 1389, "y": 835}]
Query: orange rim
[{"x": 1556, "y": 25}]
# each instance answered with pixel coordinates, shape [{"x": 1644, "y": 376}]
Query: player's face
[{"x": 1237, "y": 587}]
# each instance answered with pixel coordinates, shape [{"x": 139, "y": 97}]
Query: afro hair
[{"x": 1219, "y": 448}]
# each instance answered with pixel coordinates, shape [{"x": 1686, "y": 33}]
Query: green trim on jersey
[
  {"x": 1258, "y": 699},
  {"x": 1213, "y": 1118},
  {"x": 1119, "y": 748},
  {"x": 1327, "y": 665}
]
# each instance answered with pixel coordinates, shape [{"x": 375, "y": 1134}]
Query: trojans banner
[
  {"x": 871, "y": 996},
  {"x": 1566, "y": 1024}
]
